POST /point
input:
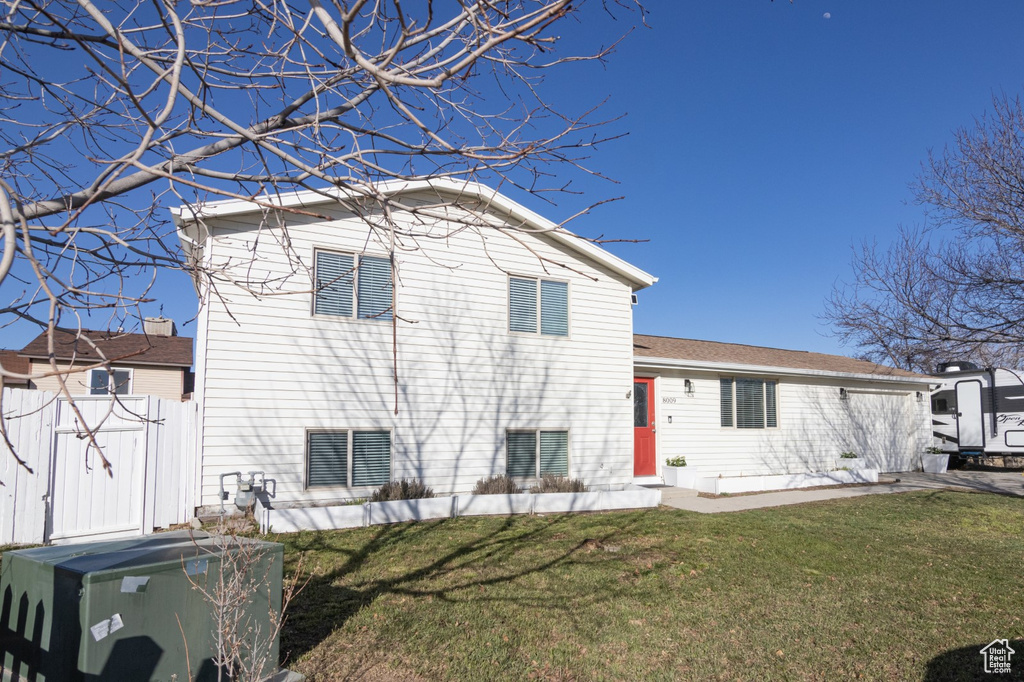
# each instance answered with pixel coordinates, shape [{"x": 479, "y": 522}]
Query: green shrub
[
  {"x": 848, "y": 455},
  {"x": 499, "y": 484},
  {"x": 550, "y": 483},
  {"x": 933, "y": 450},
  {"x": 679, "y": 461},
  {"x": 401, "y": 490}
]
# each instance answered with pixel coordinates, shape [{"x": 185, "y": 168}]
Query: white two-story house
[{"x": 492, "y": 343}]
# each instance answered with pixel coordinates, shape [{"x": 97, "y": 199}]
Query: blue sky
[{"x": 764, "y": 140}]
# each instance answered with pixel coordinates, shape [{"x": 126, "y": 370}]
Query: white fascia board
[
  {"x": 183, "y": 216},
  {"x": 644, "y": 362}
]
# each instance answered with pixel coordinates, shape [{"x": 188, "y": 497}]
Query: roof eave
[
  {"x": 639, "y": 278},
  {"x": 645, "y": 362},
  {"x": 125, "y": 361}
]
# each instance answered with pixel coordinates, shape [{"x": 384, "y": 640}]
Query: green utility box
[{"x": 131, "y": 610}]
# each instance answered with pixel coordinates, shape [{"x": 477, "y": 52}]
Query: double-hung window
[
  {"x": 749, "y": 403},
  {"x": 534, "y": 453},
  {"x": 347, "y": 458},
  {"x": 352, "y": 286},
  {"x": 115, "y": 382},
  {"x": 538, "y": 305}
]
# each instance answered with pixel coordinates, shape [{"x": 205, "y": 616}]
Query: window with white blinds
[
  {"x": 535, "y": 453},
  {"x": 538, "y": 305},
  {"x": 748, "y": 403},
  {"x": 348, "y": 458},
  {"x": 348, "y": 286}
]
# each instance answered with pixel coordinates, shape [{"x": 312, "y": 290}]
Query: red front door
[{"x": 644, "y": 458}]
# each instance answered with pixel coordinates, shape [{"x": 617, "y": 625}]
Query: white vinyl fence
[{"x": 68, "y": 495}]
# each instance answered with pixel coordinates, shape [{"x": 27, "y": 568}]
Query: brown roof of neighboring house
[
  {"x": 12, "y": 362},
  {"x": 739, "y": 354},
  {"x": 131, "y": 349}
]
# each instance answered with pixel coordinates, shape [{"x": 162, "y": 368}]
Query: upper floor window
[
  {"x": 115, "y": 382},
  {"x": 348, "y": 286},
  {"x": 538, "y": 304},
  {"x": 749, "y": 403}
]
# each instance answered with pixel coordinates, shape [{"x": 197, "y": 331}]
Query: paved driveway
[{"x": 1004, "y": 483}]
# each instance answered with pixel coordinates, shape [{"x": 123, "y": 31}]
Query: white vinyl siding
[
  {"x": 551, "y": 306},
  {"x": 347, "y": 286},
  {"x": 882, "y": 422},
  {"x": 347, "y": 458},
  {"x": 464, "y": 381},
  {"x": 537, "y": 453},
  {"x": 748, "y": 403}
]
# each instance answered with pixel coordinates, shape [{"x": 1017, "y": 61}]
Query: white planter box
[
  {"x": 484, "y": 505},
  {"x": 550, "y": 503},
  {"x": 680, "y": 477},
  {"x": 410, "y": 510},
  {"x": 934, "y": 464},
  {"x": 311, "y": 518},
  {"x": 851, "y": 463},
  {"x": 751, "y": 484},
  {"x": 631, "y": 498}
]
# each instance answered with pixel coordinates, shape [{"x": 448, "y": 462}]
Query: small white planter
[
  {"x": 851, "y": 463},
  {"x": 551, "y": 503},
  {"x": 295, "y": 519},
  {"x": 680, "y": 477},
  {"x": 498, "y": 505},
  {"x": 934, "y": 464},
  {"x": 634, "y": 497},
  {"x": 410, "y": 510}
]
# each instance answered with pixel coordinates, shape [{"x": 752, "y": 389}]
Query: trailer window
[{"x": 942, "y": 403}]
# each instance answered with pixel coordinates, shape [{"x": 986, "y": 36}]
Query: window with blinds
[
  {"x": 538, "y": 305},
  {"x": 347, "y": 286},
  {"x": 535, "y": 453},
  {"x": 749, "y": 403},
  {"x": 348, "y": 458}
]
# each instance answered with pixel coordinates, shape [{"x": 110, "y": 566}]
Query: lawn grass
[{"x": 891, "y": 587}]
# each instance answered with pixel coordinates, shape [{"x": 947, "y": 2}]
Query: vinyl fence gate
[{"x": 149, "y": 443}]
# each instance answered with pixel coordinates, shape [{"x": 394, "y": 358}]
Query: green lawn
[{"x": 892, "y": 587}]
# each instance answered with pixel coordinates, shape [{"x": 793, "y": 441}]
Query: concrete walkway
[{"x": 1003, "y": 483}]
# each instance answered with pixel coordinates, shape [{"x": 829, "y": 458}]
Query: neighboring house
[
  {"x": 734, "y": 410},
  {"x": 154, "y": 363},
  {"x": 514, "y": 346},
  {"x": 14, "y": 363}
]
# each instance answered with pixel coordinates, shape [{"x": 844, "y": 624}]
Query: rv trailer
[{"x": 978, "y": 412}]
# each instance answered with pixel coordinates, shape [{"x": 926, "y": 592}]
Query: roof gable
[
  {"x": 185, "y": 217},
  {"x": 117, "y": 347}
]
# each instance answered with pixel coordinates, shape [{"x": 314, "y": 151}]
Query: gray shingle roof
[
  {"x": 740, "y": 354},
  {"x": 116, "y": 346}
]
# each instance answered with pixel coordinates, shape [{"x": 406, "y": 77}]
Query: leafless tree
[
  {"x": 954, "y": 289},
  {"x": 112, "y": 112}
]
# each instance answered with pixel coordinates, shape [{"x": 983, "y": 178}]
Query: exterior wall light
[
  {"x": 843, "y": 395},
  {"x": 688, "y": 386}
]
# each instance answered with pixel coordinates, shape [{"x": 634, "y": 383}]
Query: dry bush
[
  {"x": 401, "y": 490},
  {"x": 550, "y": 483},
  {"x": 499, "y": 484}
]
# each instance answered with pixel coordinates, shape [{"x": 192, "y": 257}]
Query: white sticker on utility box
[{"x": 107, "y": 627}]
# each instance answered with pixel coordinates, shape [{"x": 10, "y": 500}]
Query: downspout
[{"x": 992, "y": 398}]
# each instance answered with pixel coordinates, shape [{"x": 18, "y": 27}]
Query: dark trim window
[
  {"x": 748, "y": 403},
  {"x": 350, "y": 459},
  {"x": 115, "y": 382},
  {"x": 538, "y": 304},
  {"x": 348, "y": 286},
  {"x": 534, "y": 453}
]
